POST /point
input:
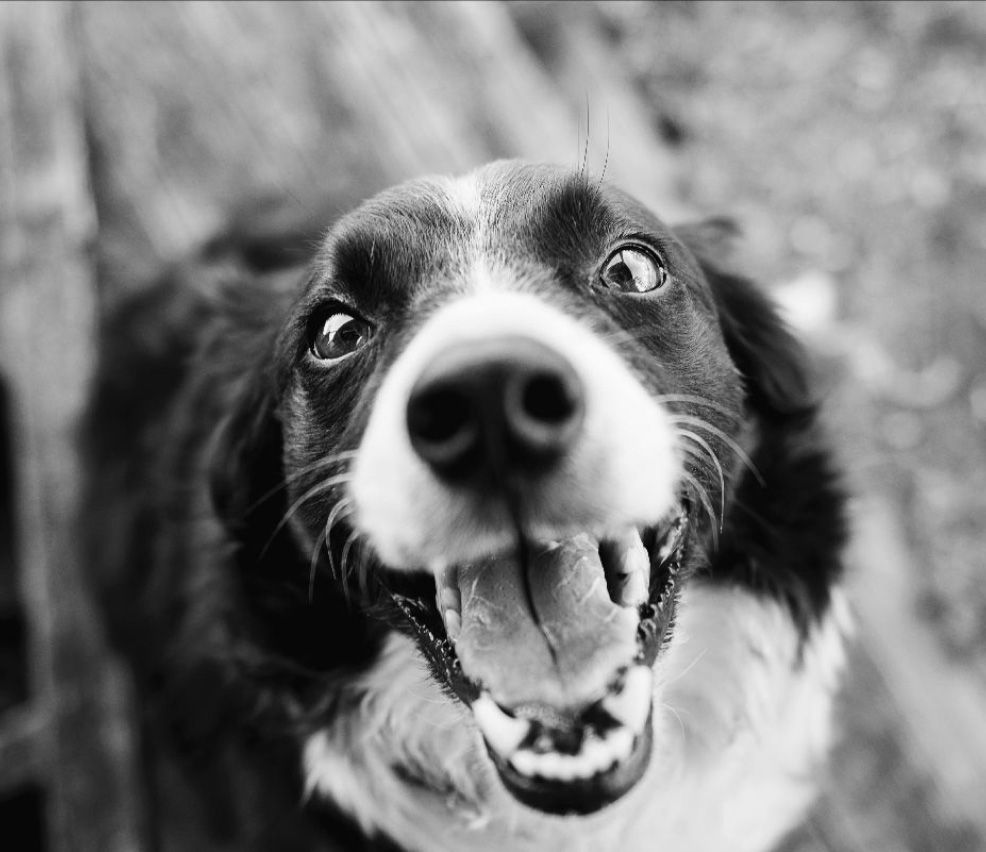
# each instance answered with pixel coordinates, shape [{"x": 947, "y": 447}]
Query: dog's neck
[{"x": 742, "y": 724}]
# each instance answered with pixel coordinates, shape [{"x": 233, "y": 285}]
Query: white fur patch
[
  {"x": 742, "y": 727},
  {"x": 622, "y": 473},
  {"x": 464, "y": 195}
]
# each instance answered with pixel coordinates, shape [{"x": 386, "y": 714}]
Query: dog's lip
[{"x": 534, "y": 748}]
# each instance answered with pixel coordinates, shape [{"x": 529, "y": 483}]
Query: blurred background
[{"x": 847, "y": 139}]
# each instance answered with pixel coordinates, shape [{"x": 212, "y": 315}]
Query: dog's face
[{"x": 509, "y": 415}]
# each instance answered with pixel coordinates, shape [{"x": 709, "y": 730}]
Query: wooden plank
[{"x": 46, "y": 333}]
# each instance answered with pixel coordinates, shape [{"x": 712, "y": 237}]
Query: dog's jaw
[
  {"x": 742, "y": 716},
  {"x": 553, "y": 760},
  {"x": 556, "y": 746}
]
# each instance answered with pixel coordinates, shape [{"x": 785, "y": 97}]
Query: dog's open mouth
[{"x": 553, "y": 650}]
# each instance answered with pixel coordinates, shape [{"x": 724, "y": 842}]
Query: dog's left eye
[
  {"x": 339, "y": 335},
  {"x": 633, "y": 270}
]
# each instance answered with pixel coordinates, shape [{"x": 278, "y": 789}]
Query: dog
[{"x": 497, "y": 517}]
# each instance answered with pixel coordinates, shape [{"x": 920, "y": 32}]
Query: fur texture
[{"x": 268, "y": 542}]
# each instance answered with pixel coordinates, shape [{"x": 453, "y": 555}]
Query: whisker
[
  {"x": 674, "y": 712},
  {"x": 314, "y": 491},
  {"x": 700, "y": 458},
  {"x": 588, "y": 127},
  {"x": 339, "y": 511},
  {"x": 362, "y": 568},
  {"x": 602, "y": 177},
  {"x": 715, "y": 460},
  {"x": 726, "y": 439},
  {"x": 327, "y": 461},
  {"x": 311, "y": 573},
  {"x": 344, "y": 559},
  {"x": 684, "y": 672},
  {"x": 703, "y": 496}
]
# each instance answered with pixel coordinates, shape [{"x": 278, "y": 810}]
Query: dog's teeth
[
  {"x": 595, "y": 756},
  {"x": 582, "y": 767},
  {"x": 631, "y": 705},
  {"x": 550, "y": 765},
  {"x": 672, "y": 539},
  {"x": 634, "y": 591},
  {"x": 503, "y": 733},
  {"x": 569, "y": 768},
  {"x": 621, "y": 743},
  {"x": 629, "y": 567},
  {"x": 453, "y": 623},
  {"x": 525, "y": 762},
  {"x": 448, "y": 599}
]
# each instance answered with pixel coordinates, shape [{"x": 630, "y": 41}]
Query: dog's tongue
[{"x": 561, "y": 645}]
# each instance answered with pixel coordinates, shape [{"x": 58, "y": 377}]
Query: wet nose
[{"x": 498, "y": 407}]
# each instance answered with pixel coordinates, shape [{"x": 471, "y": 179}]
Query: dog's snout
[{"x": 504, "y": 406}]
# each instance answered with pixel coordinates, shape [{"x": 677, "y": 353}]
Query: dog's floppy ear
[
  {"x": 269, "y": 246},
  {"x": 770, "y": 359},
  {"x": 245, "y": 463}
]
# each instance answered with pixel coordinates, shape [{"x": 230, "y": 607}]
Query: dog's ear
[
  {"x": 770, "y": 359},
  {"x": 245, "y": 464},
  {"x": 267, "y": 247}
]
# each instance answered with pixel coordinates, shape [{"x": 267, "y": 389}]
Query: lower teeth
[
  {"x": 532, "y": 753},
  {"x": 598, "y": 755}
]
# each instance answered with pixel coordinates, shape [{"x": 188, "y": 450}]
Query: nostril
[
  {"x": 505, "y": 405},
  {"x": 438, "y": 415},
  {"x": 442, "y": 425},
  {"x": 547, "y": 398},
  {"x": 543, "y": 411}
]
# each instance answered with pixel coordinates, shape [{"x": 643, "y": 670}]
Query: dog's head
[{"x": 510, "y": 410}]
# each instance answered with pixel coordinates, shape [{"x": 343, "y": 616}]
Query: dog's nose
[{"x": 504, "y": 406}]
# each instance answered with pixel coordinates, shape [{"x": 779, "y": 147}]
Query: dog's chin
[
  {"x": 580, "y": 790},
  {"x": 552, "y": 752}
]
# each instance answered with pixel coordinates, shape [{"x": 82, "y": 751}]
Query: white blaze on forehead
[
  {"x": 623, "y": 471},
  {"x": 464, "y": 193},
  {"x": 466, "y": 199}
]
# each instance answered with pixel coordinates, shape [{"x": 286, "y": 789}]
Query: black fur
[
  {"x": 192, "y": 427},
  {"x": 787, "y": 528}
]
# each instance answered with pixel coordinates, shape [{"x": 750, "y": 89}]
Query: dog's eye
[
  {"x": 339, "y": 335},
  {"x": 633, "y": 270}
]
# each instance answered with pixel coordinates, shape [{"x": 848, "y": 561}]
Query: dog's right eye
[{"x": 339, "y": 334}]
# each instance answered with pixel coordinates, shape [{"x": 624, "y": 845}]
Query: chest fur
[{"x": 742, "y": 727}]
